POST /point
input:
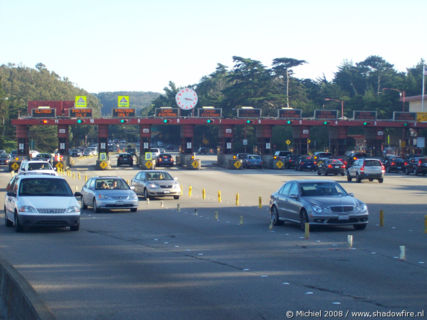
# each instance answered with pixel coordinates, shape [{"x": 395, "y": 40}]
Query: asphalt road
[{"x": 213, "y": 260}]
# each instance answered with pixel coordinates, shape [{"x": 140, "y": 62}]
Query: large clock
[{"x": 186, "y": 99}]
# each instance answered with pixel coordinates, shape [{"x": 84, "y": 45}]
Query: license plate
[
  {"x": 166, "y": 191},
  {"x": 337, "y": 167},
  {"x": 343, "y": 218}
]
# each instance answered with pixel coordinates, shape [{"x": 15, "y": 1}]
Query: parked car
[
  {"x": 287, "y": 157},
  {"x": 330, "y": 166},
  {"x": 319, "y": 203},
  {"x": 76, "y": 153},
  {"x": 394, "y": 164},
  {"x": 124, "y": 158},
  {"x": 108, "y": 192},
  {"x": 417, "y": 165},
  {"x": 36, "y": 167},
  {"x": 41, "y": 200},
  {"x": 252, "y": 161},
  {"x": 165, "y": 160},
  {"x": 156, "y": 183},
  {"x": 305, "y": 162},
  {"x": 5, "y": 158},
  {"x": 366, "y": 168}
]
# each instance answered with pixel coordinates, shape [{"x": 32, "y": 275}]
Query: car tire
[
  {"x": 360, "y": 226},
  {"x": 358, "y": 179},
  {"x": 146, "y": 196},
  {"x": 17, "y": 224},
  {"x": 274, "y": 217},
  {"x": 75, "y": 228},
  {"x": 7, "y": 222},
  {"x": 303, "y": 219},
  {"x": 349, "y": 178},
  {"x": 95, "y": 207},
  {"x": 319, "y": 173},
  {"x": 380, "y": 180},
  {"x": 176, "y": 197},
  {"x": 84, "y": 205},
  {"x": 407, "y": 171}
]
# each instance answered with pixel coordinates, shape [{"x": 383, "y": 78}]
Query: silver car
[
  {"x": 366, "y": 169},
  {"x": 318, "y": 202},
  {"x": 108, "y": 193},
  {"x": 156, "y": 183}
]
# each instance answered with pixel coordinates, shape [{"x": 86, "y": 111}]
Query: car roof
[
  {"x": 40, "y": 175},
  {"x": 161, "y": 171},
  {"x": 312, "y": 180},
  {"x": 107, "y": 177}
]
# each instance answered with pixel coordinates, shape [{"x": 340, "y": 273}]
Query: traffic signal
[
  {"x": 325, "y": 123},
  {"x": 289, "y": 122},
  {"x": 405, "y": 124},
  {"x": 208, "y": 121},
  {"x": 123, "y": 120},
  {"x": 44, "y": 121},
  {"x": 79, "y": 121},
  {"x": 365, "y": 123},
  {"x": 249, "y": 121},
  {"x": 165, "y": 121}
]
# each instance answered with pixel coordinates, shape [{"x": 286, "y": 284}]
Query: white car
[
  {"x": 36, "y": 167},
  {"x": 41, "y": 200}
]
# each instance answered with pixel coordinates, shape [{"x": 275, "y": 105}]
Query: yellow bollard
[
  {"x": 237, "y": 199},
  {"x": 350, "y": 240},
  {"x": 128, "y": 182},
  {"x": 182, "y": 188},
  {"x": 76, "y": 188},
  {"x": 178, "y": 207},
  {"x": 260, "y": 202},
  {"x": 79, "y": 176},
  {"x": 190, "y": 191},
  {"x": 425, "y": 224},
  {"x": 74, "y": 175},
  {"x": 402, "y": 253},
  {"x": 270, "y": 227},
  {"x": 219, "y": 197},
  {"x": 241, "y": 220},
  {"x": 381, "y": 218},
  {"x": 306, "y": 230},
  {"x": 85, "y": 178},
  {"x": 203, "y": 194}
]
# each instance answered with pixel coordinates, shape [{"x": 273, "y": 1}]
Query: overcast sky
[{"x": 105, "y": 45}]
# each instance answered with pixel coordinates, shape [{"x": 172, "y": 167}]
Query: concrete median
[{"x": 20, "y": 299}]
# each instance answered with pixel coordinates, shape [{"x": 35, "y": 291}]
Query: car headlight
[
  {"x": 153, "y": 186},
  {"x": 133, "y": 197},
  {"x": 317, "y": 209},
  {"x": 27, "y": 209},
  {"x": 73, "y": 209},
  {"x": 361, "y": 207}
]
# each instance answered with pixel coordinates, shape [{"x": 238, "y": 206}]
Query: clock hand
[{"x": 188, "y": 99}]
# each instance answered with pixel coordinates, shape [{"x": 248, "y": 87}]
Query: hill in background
[{"x": 138, "y": 100}]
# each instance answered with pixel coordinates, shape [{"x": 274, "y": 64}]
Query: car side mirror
[
  {"x": 132, "y": 187},
  {"x": 293, "y": 196},
  {"x": 78, "y": 195}
]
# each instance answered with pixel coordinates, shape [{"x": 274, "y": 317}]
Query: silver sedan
[
  {"x": 317, "y": 202},
  {"x": 156, "y": 183},
  {"x": 108, "y": 193}
]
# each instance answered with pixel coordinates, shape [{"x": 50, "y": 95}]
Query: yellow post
[
  {"x": 260, "y": 202},
  {"x": 74, "y": 175},
  {"x": 182, "y": 188},
  {"x": 270, "y": 227},
  {"x": 85, "y": 178},
  {"x": 306, "y": 230},
  {"x": 219, "y": 197},
  {"x": 79, "y": 176},
  {"x": 237, "y": 199},
  {"x": 425, "y": 224},
  {"x": 190, "y": 191},
  {"x": 128, "y": 182},
  {"x": 203, "y": 193},
  {"x": 381, "y": 218}
]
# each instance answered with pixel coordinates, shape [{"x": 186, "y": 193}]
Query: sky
[{"x": 142, "y": 45}]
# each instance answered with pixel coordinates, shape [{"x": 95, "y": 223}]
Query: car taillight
[
  {"x": 393, "y": 164},
  {"x": 315, "y": 162},
  {"x": 362, "y": 169},
  {"x": 419, "y": 163},
  {"x": 405, "y": 163},
  {"x": 343, "y": 166},
  {"x": 329, "y": 166},
  {"x": 382, "y": 168}
]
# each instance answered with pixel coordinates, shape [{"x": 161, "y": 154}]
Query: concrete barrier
[{"x": 20, "y": 299}]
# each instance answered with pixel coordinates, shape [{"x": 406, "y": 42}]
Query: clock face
[{"x": 186, "y": 99}]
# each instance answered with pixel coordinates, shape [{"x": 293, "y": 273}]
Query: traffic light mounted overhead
[
  {"x": 289, "y": 122},
  {"x": 80, "y": 121},
  {"x": 165, "y": 121},
  {"x": 44, "y": 121},
  {"x": 249, "y": 121},
  {"x": 208, "y": 121},
  {"x": 325, "y": 122},
  {"x": 365, "y": 123},
  {"x": 123, "y": 120}
]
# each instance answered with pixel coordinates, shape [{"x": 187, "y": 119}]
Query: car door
[
  {"x": 352, "y": 170},
  {"x": 282, "y": 199},
  {"x": 294, "y": 202},
  {"x": 138, "y": 182},
  {"x": 11, "y": 197},
  {"x": 87, "y": 191}
]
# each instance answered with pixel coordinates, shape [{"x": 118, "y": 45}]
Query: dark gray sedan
[{"x": 318, "y": 202}]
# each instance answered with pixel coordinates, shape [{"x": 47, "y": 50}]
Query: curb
[{"x": 20, "y": 299}]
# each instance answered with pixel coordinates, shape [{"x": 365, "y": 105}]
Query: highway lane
[{"x": 159, "y": 263}]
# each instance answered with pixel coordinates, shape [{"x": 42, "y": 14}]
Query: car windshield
[
  {"x": 318, "y": 189},
  {"x": 45, "y": 187},
  {"x": 254, "y": 157},
  {"x": 158, "y": 176},
  {"x": 111, "y": 184},
  {"x": 39, "y": 166}
]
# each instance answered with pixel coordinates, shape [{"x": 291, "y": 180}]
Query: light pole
[
  {"x": 342, "y": 105},
  {"x": 401, "y": 93}
]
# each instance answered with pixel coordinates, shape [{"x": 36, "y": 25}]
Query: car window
[
  {"x": 285, "y": 189},
  {"x": 293, "y": 189},
  {"x": 372, "y": 163},
  {"x": 158, "y": 176},
  {"x": 39, "y": 166},
  {"x": 318, "y": 189},
  {"x": 44, "y": 187}
]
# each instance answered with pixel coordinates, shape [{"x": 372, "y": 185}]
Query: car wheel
[
  {"x": 95, "y": 207},
  {"x": 133, "y": 209},
  {"x": 388, "y": 170},
  {"x": 84, "y": 205},
  {"x": 7, "y": 222},
  {"x": 360, "y": 226},
  {"x": 349, "y": 178},
  {"x": 303, "y": 219},
  {"x": 358, "y": 179},
  {"x": 17, "y": 224},
  {"x": 146, "y": 196},
  {"x": 176, "y": 197},
  {"x": 274, "y": 219},
  {"x": 326, "y": 173},
  {"x": 75, "y": 228},
  {"x": 380, "y": 180},
  {"x": 319, "y": 173},
  {"x": 407, "y": 171}
]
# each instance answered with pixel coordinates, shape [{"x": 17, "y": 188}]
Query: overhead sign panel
[
  {"x": 123, "y": 102},
  {"x": 404, "y": 116},
  {"x": 167, "y": 112},
  {"x": 123, "y": 112},
  {"x": 364, "y": 115},
  {"x": 43, "y": 112},
  {"x": 81, "y": 113},
  {"x": 422, "y": 116},
  {"x": 289, "y": 113},
  {"x": 209, "y": 112},
  {"x": 325, "y": 114},
  {"x": 248, "y": 113},
  {"x": 80, "y": 102}
]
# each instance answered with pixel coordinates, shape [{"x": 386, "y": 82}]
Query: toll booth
[
  {"x": 300, "y": 135},
  {"x": 337, "y": 140},
  {"x": 103, "y": 160}
]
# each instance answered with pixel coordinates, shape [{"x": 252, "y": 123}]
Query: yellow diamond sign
[
  {"x": 148, "y": 164},
  {"x": 103, "y": 164},
  {"x": 15, "y": 166},
  {"x": 237, "y": 164},
  {"x": 195, "y": 164},
  {"x": 59, "y": 165},
  {"x": 279, "y": 164}
]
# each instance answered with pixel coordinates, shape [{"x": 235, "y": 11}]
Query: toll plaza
[{"x": 64, "y": 114}]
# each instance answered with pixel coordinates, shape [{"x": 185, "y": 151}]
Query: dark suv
[
  {"x": 416, "y": 165},
  {"x": 125, "y": 158}
]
